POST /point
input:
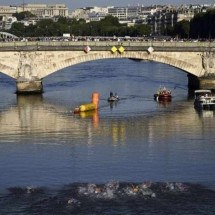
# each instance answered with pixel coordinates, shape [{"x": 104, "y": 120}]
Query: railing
[{"x": 36, "y": 44}]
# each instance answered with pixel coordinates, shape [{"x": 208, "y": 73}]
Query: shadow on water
[{"x": 110, "y": 198}]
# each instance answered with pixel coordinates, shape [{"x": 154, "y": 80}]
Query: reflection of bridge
[
  {"x": 33, "y": 117},
  {"x": 32, "y": 61}
]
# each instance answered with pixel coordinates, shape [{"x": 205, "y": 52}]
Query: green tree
[
  {"x": 182, "y": 29},
  {"x": 44, "y": 27},
  {"x": 81, "y": 21},
  {"x": 18, "y": 29},
  {"x": 203, "y": 25},
  {"x": 22, "y": 15},
  {"x": 169, "y": 30},
  {"x": 109, "y": 26},
  {"x": 143, "y": 30},
  {"x": 110, "y": 21},
  {"x": 63, "y": 20}
]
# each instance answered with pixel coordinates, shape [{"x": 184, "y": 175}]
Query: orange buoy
[
  {"x": 95, "y": 99},
  {"x": 90, "y": 106}
]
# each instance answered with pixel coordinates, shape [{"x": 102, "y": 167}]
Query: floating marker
[{"x": 89, "y": 106}]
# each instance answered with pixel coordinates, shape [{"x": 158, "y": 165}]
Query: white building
[
  {"x": 124, "y": 13},
  {"x": 45, "y": 10},
  {"x": 29, "y": 22},
  {"x": 7, "y": 11},
  {"x": 80, "y": 13},
  {"x": 103, "y": 10},
  {"x": 90, "y": 13},
  {"x": 96, "y": 16}
]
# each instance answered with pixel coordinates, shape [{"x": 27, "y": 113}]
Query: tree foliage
[
  {"x": 110, "y": 21},
  {"x": 18, "y": 29},
  {"x": 22, "y": 15},
  {"x": 182, "y": 29},
  {"x": 109, "y": 26},
  {"x": 203, "y": 25}
]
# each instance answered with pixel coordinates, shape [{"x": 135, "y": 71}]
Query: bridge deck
[{"x": 106, "y": 46}]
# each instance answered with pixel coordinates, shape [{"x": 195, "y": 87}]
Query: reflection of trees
[
  {"x": 118, "y": 132},
  {"x": 34, "y": 117}
]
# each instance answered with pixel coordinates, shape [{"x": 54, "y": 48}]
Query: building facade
[
  {"x": 124, "y": 13},
  {"x": 45, "y": 10}
]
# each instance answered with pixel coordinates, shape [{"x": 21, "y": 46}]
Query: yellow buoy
[
  {"x": 90, "y": 106},
  {"x": 87, "y": 107}
]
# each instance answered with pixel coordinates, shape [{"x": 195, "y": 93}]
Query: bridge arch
[
  {"x": 7, "y": 70},
  {"x": 187, "y": 67}
]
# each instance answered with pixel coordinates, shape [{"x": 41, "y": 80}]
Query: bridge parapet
[{"x": 105, "y": 45}]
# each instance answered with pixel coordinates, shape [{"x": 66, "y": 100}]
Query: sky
[{"x": 73, "y": 4}]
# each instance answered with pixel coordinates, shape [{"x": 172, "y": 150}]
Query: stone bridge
[{"x": 30, "y": 62}]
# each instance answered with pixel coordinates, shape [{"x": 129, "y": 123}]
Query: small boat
[
  {"x": 204, "y": 99},
  {"x": 113, "y": 98},
  {"x": 163, "y": 94}
]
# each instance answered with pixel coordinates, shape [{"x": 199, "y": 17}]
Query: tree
[
  {"x": 44, "y": 26},
  {"x": 169, "y": 31},
  {"x": 18, "y": 29},
  {"x": 196, "y": 22},
  {"x": 110, "y": 21},
  {"x": 182, "y": 29},
  {"x": 109, "y": 26},
  {"x": 203, "y": 25},
  {"x": 143, "y": 30},
  {"x": 22, "y": 15},
  {"x": 63, "y": 20}
]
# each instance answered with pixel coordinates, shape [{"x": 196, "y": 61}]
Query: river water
[{"x": 136, "y": 156}]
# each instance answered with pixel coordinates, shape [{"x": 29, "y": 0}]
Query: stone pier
[
  {"x": 29, "y": 87},
  {"x": 207, "y": 83},
  {"x": 200, "y": 83}
]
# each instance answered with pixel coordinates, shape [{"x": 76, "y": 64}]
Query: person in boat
[
  {"x": 112, "y": 97},
  {"x": 116, "y": 96},
  {"x": 162, "y": 94}
]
